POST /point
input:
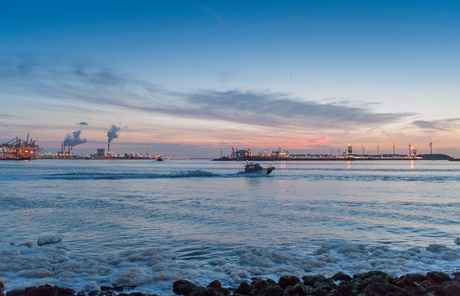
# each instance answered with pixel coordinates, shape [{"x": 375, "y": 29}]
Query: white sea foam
[{"x": 154, "y": 270}]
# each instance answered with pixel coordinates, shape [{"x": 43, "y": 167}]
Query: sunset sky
[{"x": 203, "y": 76}]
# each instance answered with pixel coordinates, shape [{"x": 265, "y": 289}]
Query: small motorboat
[
  {"x": 160, "y": 158},
  {"x": 255, "y": 168}
]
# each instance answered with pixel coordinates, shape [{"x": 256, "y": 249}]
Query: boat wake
[
  {"x": 108, "y": 176},
  {"x": 115, "y": 176}
]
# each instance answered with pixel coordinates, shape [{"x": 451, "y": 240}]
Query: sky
[{"x": 201, "y": 77}]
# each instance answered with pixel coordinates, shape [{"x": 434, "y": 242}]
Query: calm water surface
[{"x": 146, "y": 223}]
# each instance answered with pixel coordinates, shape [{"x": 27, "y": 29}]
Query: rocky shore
[{"x": 372, "y": 283}]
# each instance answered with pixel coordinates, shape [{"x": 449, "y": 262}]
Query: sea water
[{"x": 144, "y": 224}]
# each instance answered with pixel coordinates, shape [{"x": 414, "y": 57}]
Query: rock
[
  {"x": 310, "y": 280},
  {"x": 204, "y": 292},
  {"x": 26, "y": 244},
  {"x": 105, "y": 288},
  {"x": 215, "y": 284},
  {"x": 341, "y": 277},
  {"x": 320, "y": 292},
  {"x": 409, "y": 279},
  {"x": 326, "y": 285},
  {"x": 359, "y": 275},
  {"x": 302, "y": 290},
  {"x": 287, "y": 280},
  {"x": 358, "y": 284},
  {"x": 273, "y": 291},
  {"x": 457, "y": 241},
  {"x": 436, "y": 248},
  {"x": 243, "y": 289},
  {"x": 437, "y": 277},
  {"x": 377, "y": 289},
  {"x": 451, "y": 289},
  {"x": 259, "y": 286},
  {"x": 136, "y": 294},
  {"x": 2, "y": 286},
  {"x": 223, "y": 291},
  {"x": 46, "y": 290},
  {"x": 183, "y": 287},
  {"x": 341, "y": 290},
  {"x": 81, "y": 294},
  {"x": 50, "y": 239}
]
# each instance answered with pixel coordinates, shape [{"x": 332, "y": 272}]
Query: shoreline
[
  {"x": 374, "y": 283},
  {"x": 431, "y": 157}
]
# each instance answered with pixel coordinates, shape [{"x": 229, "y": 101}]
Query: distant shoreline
[{"x": 337, "y": 158}]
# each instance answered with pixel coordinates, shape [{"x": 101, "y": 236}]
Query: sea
[{"x": 143, "y": 224}]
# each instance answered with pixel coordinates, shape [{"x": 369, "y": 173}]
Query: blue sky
[{"x": 208, "y": 75}]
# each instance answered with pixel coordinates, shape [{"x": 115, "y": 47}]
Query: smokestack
[
  {"x": 62, "y": 148},
  {"x": 108, "y": 148}
]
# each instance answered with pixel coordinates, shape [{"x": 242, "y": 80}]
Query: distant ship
[{"x": 160, "y": 158}]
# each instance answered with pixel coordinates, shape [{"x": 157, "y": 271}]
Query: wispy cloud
[
  {"x": 82, "y": 82},
  {"x": 274, "y": 109},
  {"x": 441, "y": 125},
  {"x": 216, "y": 16}
]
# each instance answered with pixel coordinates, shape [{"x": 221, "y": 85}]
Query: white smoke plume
[
  {"x": 74, "y": 139},
  {"x": 112, "y": 133}
]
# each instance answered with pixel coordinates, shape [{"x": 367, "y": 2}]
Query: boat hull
[{"x": 263, "y": 172}]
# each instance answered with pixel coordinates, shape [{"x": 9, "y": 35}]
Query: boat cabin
[{"x": 252, "y": 167}]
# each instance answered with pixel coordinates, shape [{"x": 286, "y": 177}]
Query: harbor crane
[{"x": 18, "y": 149}]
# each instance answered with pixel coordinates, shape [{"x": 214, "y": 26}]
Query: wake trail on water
[{"x": 111, "y": 176}]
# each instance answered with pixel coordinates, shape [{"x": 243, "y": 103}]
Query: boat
[
  {"x": 160, "y": 158},
  {"x": 255, "y": 168}
]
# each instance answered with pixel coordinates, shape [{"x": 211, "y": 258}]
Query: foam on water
[{"x": 154, "y": 270}]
